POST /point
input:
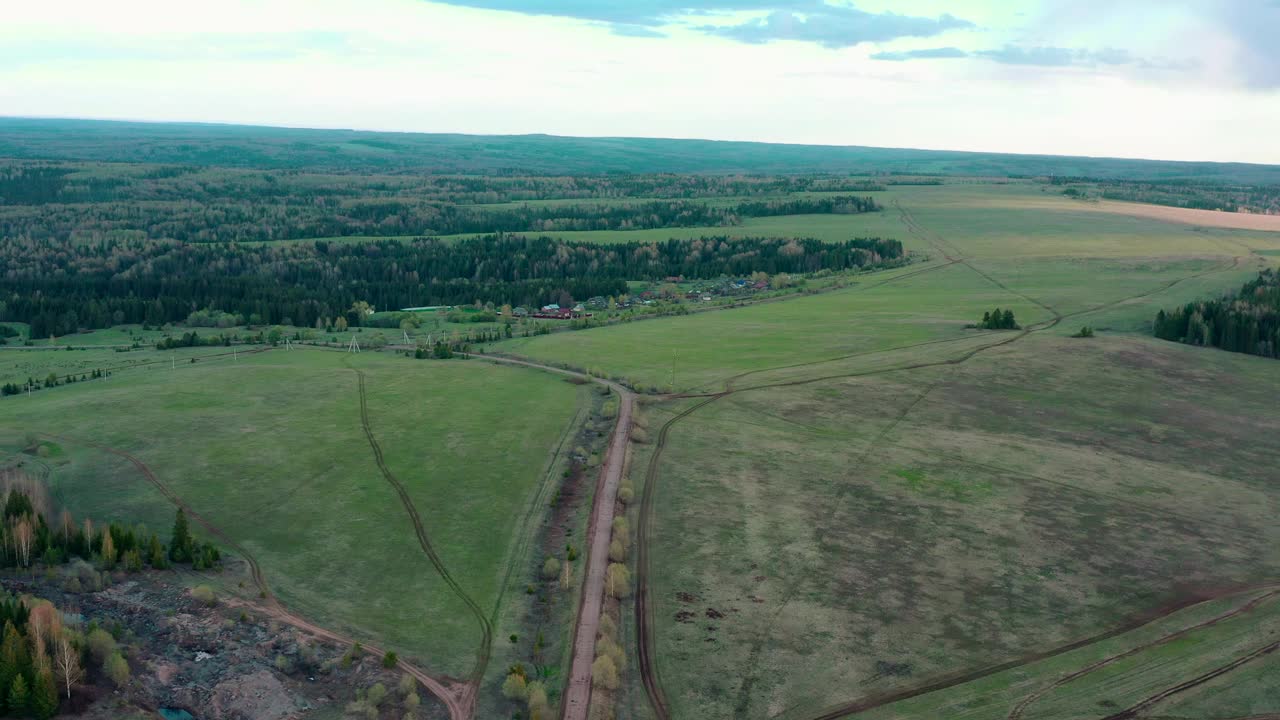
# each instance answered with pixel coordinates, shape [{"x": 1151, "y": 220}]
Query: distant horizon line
[{"x": 267, "y": 126}]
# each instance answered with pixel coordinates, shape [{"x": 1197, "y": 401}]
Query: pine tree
[
  {"x": 14, "y": 659},
  {"x": 18, "y": 692},
  {"x": 44, "y": 697},
  {"x": 180, "y": 545}
]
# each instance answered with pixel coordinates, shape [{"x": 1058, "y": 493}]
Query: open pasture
[
  {"x": 823, "y": 543},
  {"x": 272, "y": 451},
  {"x": 707, "y": 348}
]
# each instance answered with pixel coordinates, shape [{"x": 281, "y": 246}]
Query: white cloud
[{"x": 410, "y": 65}]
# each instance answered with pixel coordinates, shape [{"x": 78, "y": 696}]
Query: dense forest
[
  {"x": 1247, "y": 322},
  {"x": 41, "y": 183},
  {"x": 39, "y": 201},
  {"x": 62, "y": 286},
  {"x": 1198, "y": 195},
  {"x": 373, "y": 152}
]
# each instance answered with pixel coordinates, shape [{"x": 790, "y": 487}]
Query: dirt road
[{"x": 577, "y": 695}]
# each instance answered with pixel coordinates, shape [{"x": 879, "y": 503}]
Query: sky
[{"x": 1164, "y": 79}]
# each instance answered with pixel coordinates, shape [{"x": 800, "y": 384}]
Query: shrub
[
  {"x": 514, "y": 687},
  {"x": 626, "y": 493},
  {"x": 116, "y": 668},
  {"x": 376, "y": 694},
  {"x": 390, "y": 660},
  {"x": 606, "y": 647},
  {"x": 608, "y": 628},
  {"x": 617, "y": 552},
  {"x": 408, "y": 685},
  {"x": 620, "y": 526},
  {"x": 618, "y": 580},
  {"x": 605, "y": 673},
  {"x": 551, "y": 568},
  {"x": 537, "y": 698},
  {"x": 101, "y": 644},
  {"x": 204, "y": 594}
]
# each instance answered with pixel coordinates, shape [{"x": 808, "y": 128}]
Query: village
[{"x": 672, "y": 289}]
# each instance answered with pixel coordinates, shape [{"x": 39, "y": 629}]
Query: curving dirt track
[
  {"x": 455, "y": 698},
  {"x": 1020, "y": 709},
  {"x": 577, "y": 696},
  {"x": 644, "y": 610},
  {"x": 1133, "y": 712},
  {"x": 484, "y": 652}
]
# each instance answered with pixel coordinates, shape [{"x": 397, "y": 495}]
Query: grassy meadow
[
  {"x": 889, "y": 497},
  {"x": 819, "y": 543},
  {"x": 885, "y": 497},
  {"x": 270, "y": 449},
  {"x": 1077, "y": 261}
]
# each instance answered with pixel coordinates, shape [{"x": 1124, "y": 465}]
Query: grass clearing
[
  {"x": 272, "y": 451},
  {"x": 707, "y": 348},
  {"x": 1032, "y": 496}
]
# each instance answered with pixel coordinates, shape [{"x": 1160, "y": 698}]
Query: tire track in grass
[
  {"x": 644, "y": 609},
  {"x": 951, "y": 681},
  {"x": 454, "y": 699},
  {"x": 484, "y": 652},
  {"x": 1239, "y": 662},
  {"x": 1020, "y": 709}
]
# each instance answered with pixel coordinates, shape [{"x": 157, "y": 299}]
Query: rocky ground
[{"x": 219, "y": 661}]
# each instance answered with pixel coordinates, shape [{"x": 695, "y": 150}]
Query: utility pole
[
  {"x": 673, "y": 371},
  {"x": 354, "y": 347},
  {"x": 173, "y": 361}
]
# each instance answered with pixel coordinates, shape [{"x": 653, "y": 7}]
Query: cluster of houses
[{"x": 702, "y": 292}]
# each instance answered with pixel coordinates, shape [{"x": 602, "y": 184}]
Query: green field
[
  {"x": 1073, "y": 260},
  {"x": 949, "y": 518},
  {"x": 271, "y": 450},
  {"x": 887, "y": 497},
  {"x": 881, "y": 498},
  {"x": 1129, "y": 669}
]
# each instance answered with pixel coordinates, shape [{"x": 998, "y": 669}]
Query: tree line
[
  {"x": 60, "y": 287},
  {"x": 25, "y": 182},
  {"x": 1245, "y": 322},
  {"x": 28, "y": 538},
  {"x": 1198, "y": 195},
  {"x": 264, "y": 218}
]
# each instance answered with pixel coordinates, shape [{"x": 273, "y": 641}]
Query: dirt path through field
[
  {"x": 455, "y": 696},
  {"x": 1020, "y": 709},
  {"x": 1141, "y": 707},
  {"x": 577, "y": 696},
  {"x": 954, "y": 256},
  {"x": 944, "y": 683}
]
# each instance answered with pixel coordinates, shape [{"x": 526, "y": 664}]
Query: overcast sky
[{"x": 1169, "y": 79}]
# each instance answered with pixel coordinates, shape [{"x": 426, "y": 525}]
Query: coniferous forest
[
  {"x": 1247, "y": 322},
  {"x": 60, "y": 287}
]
